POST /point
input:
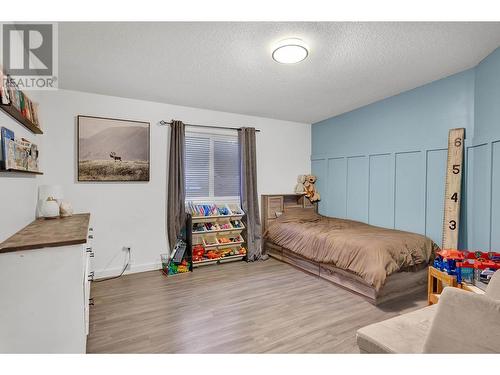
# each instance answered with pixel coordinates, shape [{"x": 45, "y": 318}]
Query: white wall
[
  {"x": 17, "y": 191},
  {"x": 132, "y": 214}
]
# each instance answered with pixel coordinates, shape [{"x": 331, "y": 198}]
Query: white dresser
[{"x": 45, "y": 276}]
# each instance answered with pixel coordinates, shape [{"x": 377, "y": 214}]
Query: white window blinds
[
  {"x": 197, "y": 166},
  {"x": 212, "y": 167}
]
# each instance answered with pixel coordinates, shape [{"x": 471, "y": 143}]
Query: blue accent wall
[
  {"x": 483, "y": 201},
  {"x": 385, "y": 163},
  {"x": 487, "y": 94}
]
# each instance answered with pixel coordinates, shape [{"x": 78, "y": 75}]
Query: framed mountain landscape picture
[{"x": 112, "y": 149}]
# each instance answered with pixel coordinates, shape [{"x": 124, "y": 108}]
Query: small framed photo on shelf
[{"x": 113, "y": 149}]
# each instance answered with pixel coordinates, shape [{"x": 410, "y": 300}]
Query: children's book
[
  {"x": 7, "y": 135},
  {"x": 4, "y": 92},
  {"x": 34, "y": 107},
  {"x": 16, "y": 99},
  {"x": 22, "y": 103},
  {"x": 29, "y": 110}
]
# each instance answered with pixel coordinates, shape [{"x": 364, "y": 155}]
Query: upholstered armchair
[{"x": 462, "y": 322}]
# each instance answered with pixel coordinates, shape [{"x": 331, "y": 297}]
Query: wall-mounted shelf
[
  {"x": 16, "y": 115},
  {"x": 19, "y": 171}
]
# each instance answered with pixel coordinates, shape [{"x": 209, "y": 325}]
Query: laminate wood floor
[{"x": 261, "y": 307}]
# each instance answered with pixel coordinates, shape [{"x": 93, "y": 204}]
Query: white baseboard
[{"x": 134, "y": 268}]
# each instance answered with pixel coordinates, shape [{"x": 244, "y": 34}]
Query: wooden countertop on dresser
[{"x": 63, "y": 231}]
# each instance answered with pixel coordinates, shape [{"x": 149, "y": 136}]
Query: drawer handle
[
  {"x": 89, "y": 250},
  {"x": 91, "y": 229},
  {"x": 91, "y": 302},
  {"x": 91, "y": 236},
  {"x": 91, "y": 276}
]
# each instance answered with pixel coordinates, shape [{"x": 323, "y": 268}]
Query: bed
[{"x": 377, "y": 263}]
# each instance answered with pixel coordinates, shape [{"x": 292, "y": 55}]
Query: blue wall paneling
[{"x": 385, "y": 163}]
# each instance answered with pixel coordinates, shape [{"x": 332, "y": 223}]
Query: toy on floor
[
  {"x": 486, "y": 275},
  {"x": 174, "y": 268},
  {"x": 446, "y": 260},
  {"x": 465, "y": 272},
  {"x": 183, "y": 267},
  {"x": 466, "y": 265}
]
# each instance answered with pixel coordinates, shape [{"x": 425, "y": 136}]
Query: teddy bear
[
  {"x": 310, "y": 189},
  {"x": 300, "y": 188}
]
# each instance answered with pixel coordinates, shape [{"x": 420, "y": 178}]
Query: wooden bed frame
[{"x": 397, "y": 285}]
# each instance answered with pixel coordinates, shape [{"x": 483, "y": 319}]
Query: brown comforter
[{"x": 371, "y": 252}]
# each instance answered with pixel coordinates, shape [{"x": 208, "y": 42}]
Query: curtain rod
[{"x": 163, "y": 123}]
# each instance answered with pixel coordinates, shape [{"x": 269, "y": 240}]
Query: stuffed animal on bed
[
  {"x": 310, "y": 189},
  {"x": 300, "y": 188}
]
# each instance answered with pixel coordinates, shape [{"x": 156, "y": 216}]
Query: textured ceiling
[{"x": 228, "y": 66}]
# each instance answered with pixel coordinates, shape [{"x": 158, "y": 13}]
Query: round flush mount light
[{"x": 290, "y": 51}]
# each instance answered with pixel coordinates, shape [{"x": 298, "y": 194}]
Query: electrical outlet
[{"x": 128, "y": 257}]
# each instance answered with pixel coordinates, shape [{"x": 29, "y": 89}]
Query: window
[{"x": 212, "y": 167}]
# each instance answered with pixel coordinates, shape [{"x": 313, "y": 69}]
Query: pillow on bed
[{"x": 299, "y": 214}]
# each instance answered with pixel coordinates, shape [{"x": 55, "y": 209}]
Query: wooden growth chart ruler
[{"x": 453, "y": 188}]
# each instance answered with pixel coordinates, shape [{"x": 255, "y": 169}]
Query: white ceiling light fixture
[{"x": 290, "y": 51}]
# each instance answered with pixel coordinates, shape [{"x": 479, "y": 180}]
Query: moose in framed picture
[{"x": 113, "y": 149}]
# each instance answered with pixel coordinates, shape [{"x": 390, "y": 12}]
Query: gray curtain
[
  {"x": 248, "y": 187},
  {"x": 176, "y": 191}
]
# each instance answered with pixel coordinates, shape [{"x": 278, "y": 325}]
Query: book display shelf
[
  {"x": 17, "y": 115},
  {"x": 22, "y": 171},
  {"x": 17, "y": 154}
]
